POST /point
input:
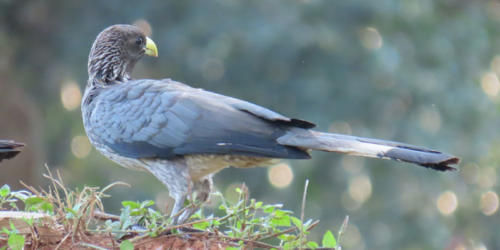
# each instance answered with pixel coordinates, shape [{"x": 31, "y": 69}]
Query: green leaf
[
  {"x": 215, "y": 223},
  {"x": 147, "y": 203},
  {"x": 37, "y": 204},
  {"x": 202, "y": 225},
  {"x": 258, "y": 204},
  {"x": 222, "y": 207},
  {"x": 126, "y": 245},
  {"x": 281, "y": 218},
  {"x": 329, "y": 240},
  {"x": 31, "y": 201},
  {"x": 16, "y": 241},
  {"x": 296, "y": 221},
  {"x": 5, "y": 190},
  {"x": 289, "y": 246},
  {"x": 312, "y": 244},
  {"x": 47, "y": 207},
  {"x": 268, "y": 209},
  {"x": 131, "y": 204},
  {"x": 286, "y": 237}
]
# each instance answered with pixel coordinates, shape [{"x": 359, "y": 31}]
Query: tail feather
[
  {"x": 367, "y": 147},
  {"x": 9, "y": 149}
]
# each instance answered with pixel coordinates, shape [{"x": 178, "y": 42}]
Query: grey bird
[
  {"x": 9, "y": 149},
  {"x": 183, "y": 135}
]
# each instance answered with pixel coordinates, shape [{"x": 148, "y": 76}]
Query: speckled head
[{"x": 115, "y": 52}]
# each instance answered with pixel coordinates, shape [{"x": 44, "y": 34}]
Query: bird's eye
[{"x": 139, "y": 41}]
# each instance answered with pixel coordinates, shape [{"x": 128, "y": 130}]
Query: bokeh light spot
[
  {"x": 352, "y": 238},
  {"x": 348, "y": 203},
  {"x": 495, "y": 64},
  {"x": 371, "y": 38},
  {"x": 480, "y": 246},
  {"x": 460, "y": 246},
  {"x": 489, "y": 203},
  {"x": 71, "y": 95},
  {"x": 352, "y": 164},
  {"x": 447, "y": 203},
  {"x": 80, "y": 146},
  {"x": 493, "y": 10},
  {"x": 360, "y": 188},
  {"x": 487, "y": 177},
  {"x": 280, "y": 175},
  {"x": 212, "y": 70},
  {"x": 490, "y": 84}
]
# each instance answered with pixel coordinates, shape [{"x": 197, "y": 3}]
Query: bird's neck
[{"x": 109, "y": 69}]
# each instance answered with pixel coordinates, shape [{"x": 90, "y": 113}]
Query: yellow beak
[{"x": 151, "y": 49}]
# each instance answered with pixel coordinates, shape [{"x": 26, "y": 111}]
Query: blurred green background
[{"x": 418, "y": 71}]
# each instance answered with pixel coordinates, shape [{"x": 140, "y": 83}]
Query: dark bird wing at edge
[
  {"x": 9, "y": 149},
  {"x": 165, "y": 119}
]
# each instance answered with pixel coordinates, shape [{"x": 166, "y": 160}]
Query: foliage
[
  {"x": 15, "y": 240},
  {"x": 246, "y": 221}
]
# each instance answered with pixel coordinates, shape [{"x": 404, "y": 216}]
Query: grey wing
[{"x": 165, "y": 119}]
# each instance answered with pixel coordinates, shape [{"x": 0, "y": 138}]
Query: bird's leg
[
  {"x": 174, "y": 175},
  {"x": 201, "y": 190},
  {"x": 178, "y": 205}
]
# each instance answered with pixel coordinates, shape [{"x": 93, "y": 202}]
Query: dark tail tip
[
  {"x": 9, "y": 149},
  {"x": 443, "y": 165}
]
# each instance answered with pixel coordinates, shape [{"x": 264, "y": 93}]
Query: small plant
[
  {"x": 11, "y": 198},
  {"x": 15, "y": 241},
  {"x": 78, "y": 215}
]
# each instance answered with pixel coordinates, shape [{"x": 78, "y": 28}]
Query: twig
[
  {"x": 256, "y": 243},
  {"x": 170, "y": 228},
  {"x": 302, "y": 211},
  {"x": 99, "y": 215},
  {"x": 91, "y": 246},
  {"x": 277, "y": 234},
  {"x": 116, "y": 231},
  {"x": 113, "y": 242},
  {"x": 313, "y": 225},
  {"x": 343, "y": 228},
  {"x": 62, "y": 241}
]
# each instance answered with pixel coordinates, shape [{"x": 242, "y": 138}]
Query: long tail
[
  {"x": 9, "y": 149},
  {"x": 367, "y": 147}
]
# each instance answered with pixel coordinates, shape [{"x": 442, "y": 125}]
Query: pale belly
[{"x": 203, "y": 165}]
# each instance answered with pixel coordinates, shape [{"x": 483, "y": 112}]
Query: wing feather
[{"x": 163, "y": 118}]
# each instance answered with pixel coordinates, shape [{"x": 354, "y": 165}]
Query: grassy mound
[{"x": 58, "y": 218}]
